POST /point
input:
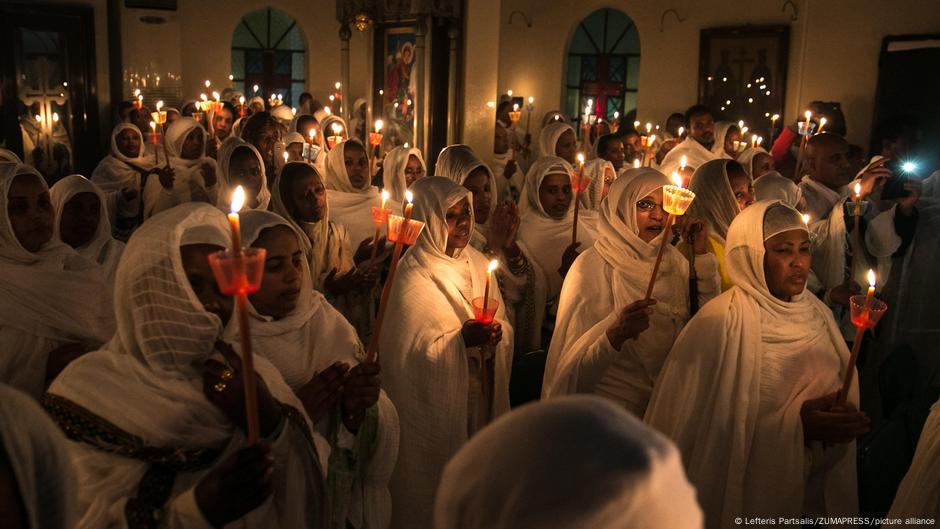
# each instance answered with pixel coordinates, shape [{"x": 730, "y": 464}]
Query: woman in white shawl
[
  {"x": 240, "y": 164},
  {"x": 726, "y": 133},
  {"x": 402, "y": 167},
  {"x": 320, "y": 356},
  {"x": 37, "y": 482},
  {"x": 722, "y": 189},
  {"x": 547, "y": 214},
  {"x": 748, "y": 392},
  {"x": 121, "y": 174},
  {"x": 757, "y": 162},
  {"x": 572, "y": 462},
  {"x": 919, "y": 493},
  {"x": 494, "y": 234},
  {"x": 194, "y": 175},
  {"x": 447, "y": 373},
  {"x": 558, "y": 139},
  {"x": 602, "y": 175},
  {"x": 157, "y": 425},
  {"x": 81, "y": 221},
  {"x": 608, "y": 339},
  {"x": 350, "y": 192},
  {"x": 346, "y": 278},
  {"x": 54, "y": 304}
]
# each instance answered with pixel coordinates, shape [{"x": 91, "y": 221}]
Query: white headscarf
[
  {"x": 544, "y": 236},
  {"x": 283, "y": 114},
  {"x": 709, "y": 404},
  {"x": 773, "y": 186},
  {"x": 456, "y": 162},
  {"x": 425, "y": 362},
  {"x": 42, "y": 472},
  {"x": 608, "y": 470},
  {"x": 549, "y": 135},
  {"x": 325, "y": 241},
  {"x": 351, "y": 207},
  {"x": 117, "y": 171},
  {"x": 176, "y": 135},
  {"x": 393, "y": 170},
  {"x": 554, "y": 116},
  {"x": 226, "y": 186},
  {"x": 103, "y": 248},
  {"x": 595, "y": 169},
  {"x": 6, "y": 155},
  {"x": 722, "y": 128},
  {"x": 747, "y": 158},
  {"x": 714, "y": 200}
]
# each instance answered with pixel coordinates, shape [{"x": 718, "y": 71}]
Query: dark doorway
[{"x": 49, "y": 109}]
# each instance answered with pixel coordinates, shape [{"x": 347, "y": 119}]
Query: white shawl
[
  {"x": 47, "y": 298},
  {"x": 188, "y": 183},
  {"x": 117, "y": 171},
  {"x": 747, "y": 158},
  {"x": 545, "y": 237},
  {"x": 303, "y": 344},
  {"x": 919, "y": 493},
  {"x": 549, "y": 135},
  {"x": 456, "y": 162},
  {"x": 393, "y": 170},
  {"x": 226, "y": 186},
  {"x": 572, "y": 462},
  {"x": 708, "y": 397},
  {"x": 774, "y": 186},
  {"x": 714, "y": 200},
  {"x": 351, "y": 207},
  {"x": 147, "y": 381},
  {"x": 595, "y": 170},
  {"x": 36, "y": 451},
  {"x": 425, "y": 362},
  {"x": 722, "y": 128},
  {"x": 103, "y": 248},
  {"x": 604, "y": 280},
  {"x": 696, "y": 156}
]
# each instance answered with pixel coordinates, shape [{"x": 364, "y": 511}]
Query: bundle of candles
[
  {"x": 805, "y": 129},
  {"x": 676, "y": 201},
  {"x": 159, "y": 118}
]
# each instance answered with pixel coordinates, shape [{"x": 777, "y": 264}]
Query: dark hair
[
  {"x": 675, "y": 115},
  {"x": 230, "y": 107},
  {"x": 603, "y": 141},
  {"x": 304, "y": 96},
  {"x": 242, "y": 151},
  {"x": 303, "y": 120},
  {"x": 696, "y": 110},
  {"x": 355, "y": 145},
  {"x": 256, "y": 123},
  {"x": 733, "y": 167},
  {"x": 289, "y": 173},
  {"x": 894, "y": 129}
]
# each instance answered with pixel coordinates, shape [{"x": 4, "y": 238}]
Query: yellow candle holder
[
  {"x": 676, "y": 200},
  {"x": 515, "y": 116},
  {"x": 159, "y": 117}
]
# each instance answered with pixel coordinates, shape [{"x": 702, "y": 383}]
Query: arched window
[
  {"x": 268, "y": 50},
  {"x": 603, "y": 65}
]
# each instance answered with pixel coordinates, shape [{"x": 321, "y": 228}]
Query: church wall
[{"x": 839, "y": 60}]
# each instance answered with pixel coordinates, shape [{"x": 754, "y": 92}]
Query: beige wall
[
  {"x": 840, "y": 60},
  {"x": 481, "y": 51}
]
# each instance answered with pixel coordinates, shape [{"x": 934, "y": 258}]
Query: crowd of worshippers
[{"x": 712, "y": 400}]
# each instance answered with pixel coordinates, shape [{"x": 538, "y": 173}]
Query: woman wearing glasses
[{"x": 609, "y": 340}]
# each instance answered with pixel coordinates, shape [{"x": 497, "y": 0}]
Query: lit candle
[
  {"x": 871, "y": 290},
  {"x": 486, "y": 290},
  {"x": 681, "y": 132},
  {"x": 286, "y": 157},
  {"x": 577, "y": 198},
  {"x": 649, "y": 128},
  {"x": 865, "y": 321},
  {"x": 208, "y": 84},
  {"x": 636, "y": 163},
  {"x": 409, "y": 197},
  {"x": 683, "y": 162},
  {"x": 509, "y": 92},
  {"x": 636, "y": 125},
  {"x": 753, "y": 141},
  {"x": 822, "y": 123},
  {"x": 806, "y": 220},
  {"x": 312, "y": 135},
  {"x": 255, "y": 89},
  {"x": 676, "y": 200},
  {"x": 238, "y": 200},
  {"x": 231, "y": 77},
  {"x": 855, "y": 236}
]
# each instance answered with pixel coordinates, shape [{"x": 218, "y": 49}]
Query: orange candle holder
[
  {"x": 515, "y": 116},
  {"x": 238, "y": 274},
  {"x": 481, "y": 315},
  {"x": 676, "y": 200},
  {"x": 866, "y": 317},
  {"x": 375, "y": 139},
  {"x": 381, "y": 215},
  {"x": 333, "y": 140},
  {"x": 580, "y": 181},
  {"x": 404, "y": 231}
]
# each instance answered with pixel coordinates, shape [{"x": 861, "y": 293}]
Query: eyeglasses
[{"x": 648, "y": 205}]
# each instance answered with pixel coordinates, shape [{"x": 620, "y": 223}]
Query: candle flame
[
  {"x": 822, "y": 121},
  {"x": 636, "y": 124},
  {"x": 385, "y": 195},
  {"x": 238, "y": 199},
  {"x": 808, "y": 115},
  {"x": 683, "y": 161},
  {"x": 493, "y": 265},
  {"x": 531, "y": 100},
  {"x": 55, "y": 117},
  {"x": 741, "y": 124},
  {"x": 509, "y": 93},
  {"x": 332, "y": 98},
  {"x": 676, "y": 179},
  {"x": 215, "y": 95},
  {"x": 581, "y": 158},
  {"x": 38, "y": 118},
  {"x": 406, "y": 145},
  {"x": 327, "y": 110},
  {"x": 153, "y": 125},
  {"x": 649, "y": 127},
  {"x": 312, "y": 134},
  {"x": 293, "y": 111},
  {"x": 231, "y": 77},
  {"x": 203, "y": 97},
  {"x": 159, "y": 105},
  {"x": 775, "y": 117},
  {"x": 515, "y": 107},
  {"x": 286, "y": 156},
  {"x": 744, "y": 130},
  {"x": 806, "y": 219},
  {"x": 255, "y": 88},
  {"x": 616, "y": 114},
  {"x": 409, "y": 196},
  {"x": 137, "y": 92},
  {"x": 337, "y": 85},
  {"x": 858, "y": 190},
  {"x": 652, "y": 139},
  {"x": 636, "y": 163},
  {"x": 378, "y": 125},
  {"x": 681, "y": 130},
  {"x": 140, "y": 98},
  {"x": 208, "y": 84},
  {"x": 337, "y": 128},
  {"x": 871, "y": 278},
  {"x": 754, "y": 138},
  {"x": 241, "y": 100}
]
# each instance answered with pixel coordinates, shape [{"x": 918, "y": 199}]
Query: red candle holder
[
  {"x": 866, "y": 318},
  {"x": 333, "y": 140},
  {"x": 489, "y": 314},
  {"x": 238, "y": 274},
  {"x": 580, "y": 181},
  {"x": 404, "y": 231},
  {"x": 375, "y": 139},
  {"x": 380, "y": 215}
]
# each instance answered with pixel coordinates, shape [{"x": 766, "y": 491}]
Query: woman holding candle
[
  {"x": 194, "y": 175},
  {"x": 294, "y": 147},
  {"x": 558, "y": 139},
  {"x": 121, "y": 173},
  {"x": 156, "y": 417},
  {"x": 748, "y": 390},
  {"x": 446, "y": 372},
  {"x": 608, "y": 339},
  {"x": 82, "y": 222},
  {"x": 494, "y": 233},
  {"x": 350, "y": 191},
  {"x": 56, "y": 304},
  {"x": 240, "y": 164},
  {"x": 722, "y": 190},
  {"x": 346, "y": 278},
  {"x": 402, "y": 167},
  {"x": 727, "y": 137},
  {"x": 319, "y": 355}
]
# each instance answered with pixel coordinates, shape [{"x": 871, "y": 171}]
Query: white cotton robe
[
  {"x": 102, "y": 248},
  {"x": 731, "y": 390},
  {"x": 605, "y": 279},
  {"x": 433, "y": 378},
  {"x": 146, "y": 383},
  {"x": 47, "y": 299}
]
